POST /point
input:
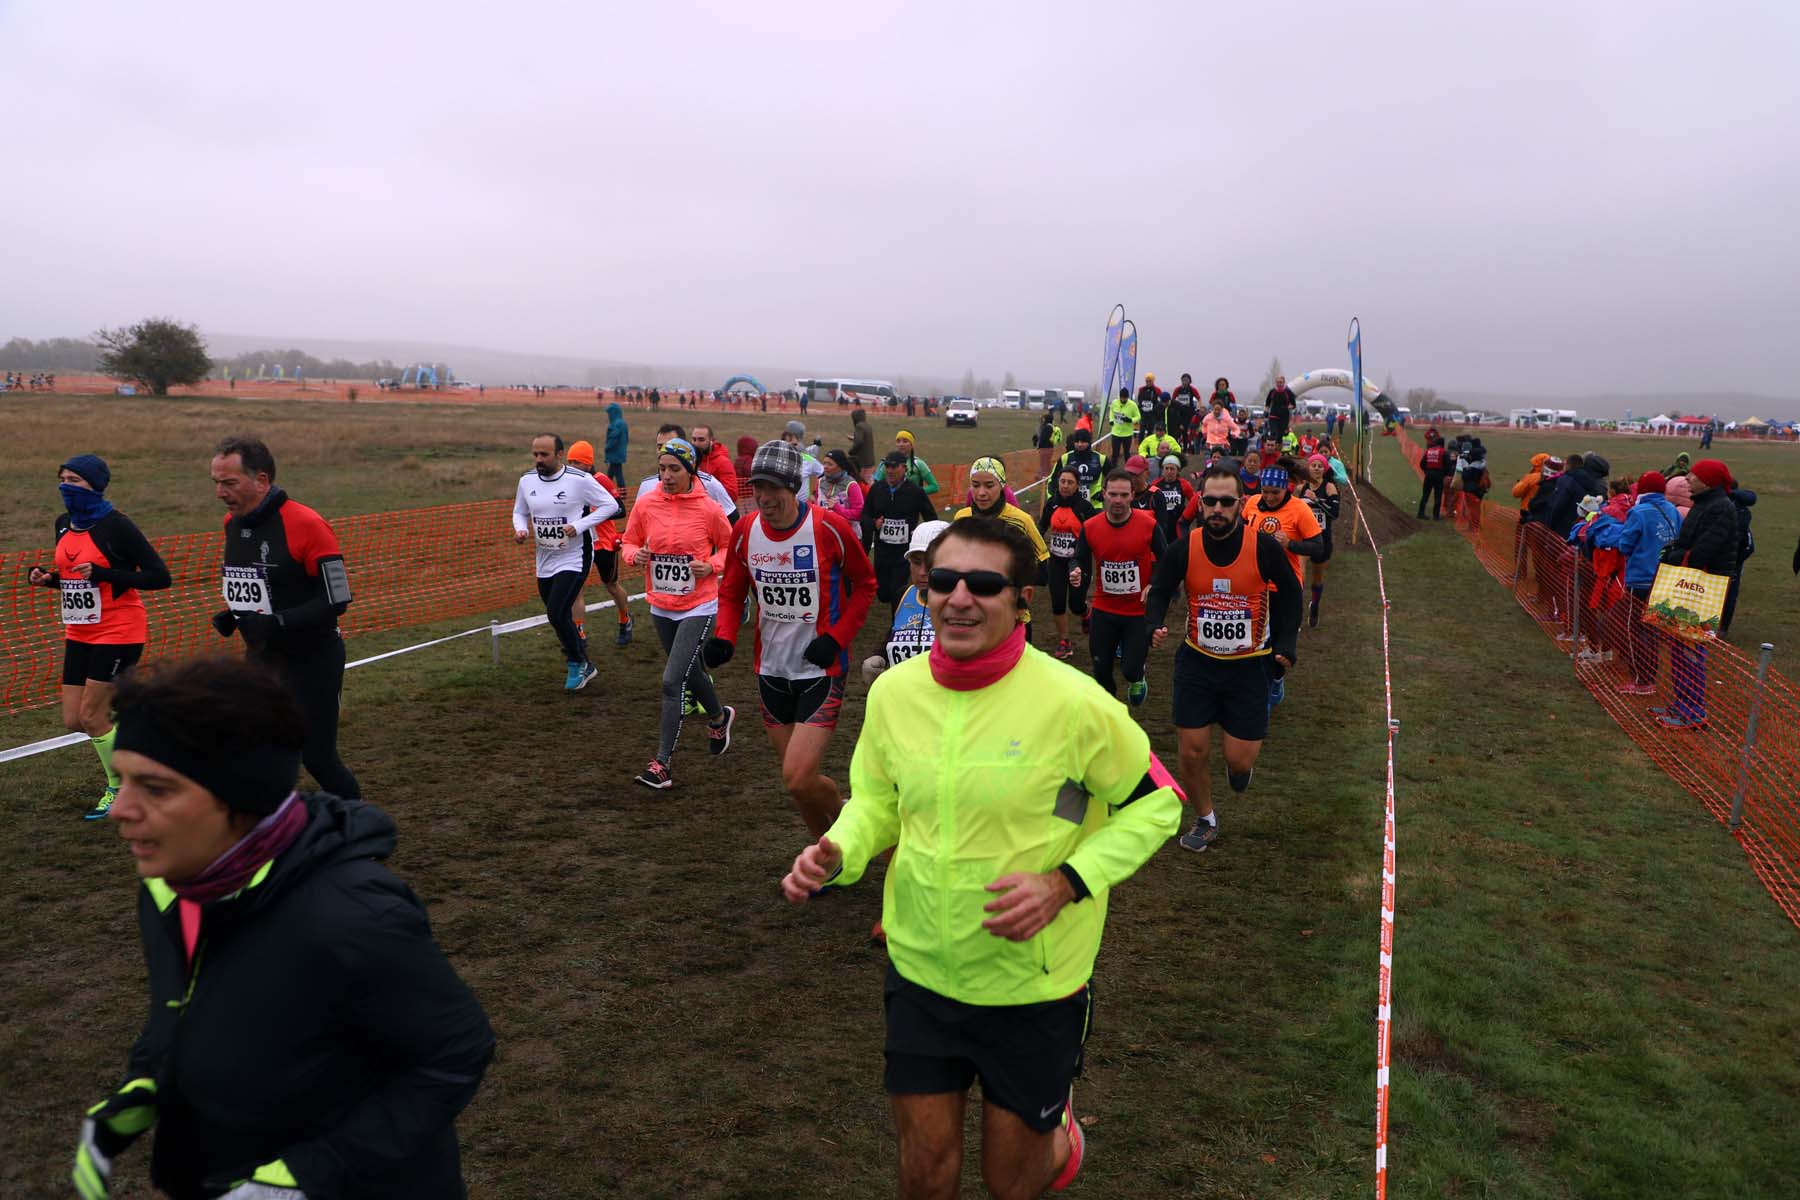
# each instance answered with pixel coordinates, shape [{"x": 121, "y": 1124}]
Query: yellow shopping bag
[{"x": 1686, "y": 602}]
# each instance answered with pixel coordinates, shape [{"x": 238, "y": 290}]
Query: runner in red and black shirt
[
  {"x": 813, "y": 585},
  {"x": 102, "y": 563},
  {"x": 1124, "y": 543},
  {"x": 285, "y": 586}
]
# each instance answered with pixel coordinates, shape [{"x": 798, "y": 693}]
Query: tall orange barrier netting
[
  {"x": 1739, "y": 752},
  {"x": 407, "y": 568}
]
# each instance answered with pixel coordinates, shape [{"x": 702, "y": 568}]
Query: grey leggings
[{"x": 681, "y": 641}]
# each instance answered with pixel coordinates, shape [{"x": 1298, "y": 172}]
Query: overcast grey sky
[{"x": 1556, "y": 197}]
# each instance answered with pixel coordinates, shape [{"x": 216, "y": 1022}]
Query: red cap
[
  {"x": 1712, "y": 473},
  {"x": 1651, "y": 481},
  {"x": 1137, "y": 464}
]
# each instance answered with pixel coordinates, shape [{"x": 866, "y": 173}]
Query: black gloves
[
  {"x": 258, "y": 627},
  {"x": 717, "y": 652},
  {"x": 822, "y": 650},
  {"x": 225, "y": 621}
]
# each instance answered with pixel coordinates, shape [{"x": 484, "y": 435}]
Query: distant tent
[{"x": 1756, "y": 423}]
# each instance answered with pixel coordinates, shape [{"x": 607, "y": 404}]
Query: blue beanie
[
  {"x": 90, "y": 467},
  {"x": 1275, "y": 479}
]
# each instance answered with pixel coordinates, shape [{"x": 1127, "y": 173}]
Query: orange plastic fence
[
  {"x": 406, "y": 568},
  {"x": 1637, "y": 672}
]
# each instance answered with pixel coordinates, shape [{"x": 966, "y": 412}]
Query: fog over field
[{"x": 1534, "y": 199}]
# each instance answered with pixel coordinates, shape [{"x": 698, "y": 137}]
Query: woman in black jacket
[
  {"x": 306, "y": 1038},
  {"x": 1065, "y": 508},
  {"x": 101, "y": 564},
  {"x": 1708, "y": 541}
]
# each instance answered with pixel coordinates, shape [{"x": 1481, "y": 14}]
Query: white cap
[{"x": 924, "y": 535}]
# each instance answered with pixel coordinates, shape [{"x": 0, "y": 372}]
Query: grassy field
[{"x": 1593, "y": 995}]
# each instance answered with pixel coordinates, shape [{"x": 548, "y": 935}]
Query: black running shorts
[
  {"x": 801, "y": 701},
  {"x": 606, "y": 565},
  {"x": 1230, "y": 693},
  {"x": 1026, "y": 1055},
  {"x": 100, "y": 662}
]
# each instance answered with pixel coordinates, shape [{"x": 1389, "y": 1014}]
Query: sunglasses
[
  {"x": 1218, "y": 501},
  {"x": 979, "y": 583}
]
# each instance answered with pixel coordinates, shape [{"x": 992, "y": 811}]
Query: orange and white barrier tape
[{"x": 1384, "y": 1003}]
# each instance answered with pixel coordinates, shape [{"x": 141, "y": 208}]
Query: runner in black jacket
[
  {"x": 285, "y": 586},
  {"x": 893, "y": 506},
  {"x": 305, "y": 1031}
]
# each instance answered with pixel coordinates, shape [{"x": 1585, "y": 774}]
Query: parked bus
[{"x": 878, "y": 392}]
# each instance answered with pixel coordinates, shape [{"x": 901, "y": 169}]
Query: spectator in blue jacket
[
  {"x": 1651, "y": 524},
  {"x": 618, "y": 439}
]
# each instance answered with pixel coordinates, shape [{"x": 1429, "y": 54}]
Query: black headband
[{"x": 252, "y": 779}]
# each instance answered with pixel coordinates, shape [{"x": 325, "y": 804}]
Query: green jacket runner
[{"x": 1038, "y": 769}]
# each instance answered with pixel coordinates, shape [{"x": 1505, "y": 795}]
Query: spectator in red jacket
[{"x": 713, "y": 458}]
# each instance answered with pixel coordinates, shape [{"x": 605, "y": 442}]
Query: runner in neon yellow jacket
[{"x": 1037, "y": 770}]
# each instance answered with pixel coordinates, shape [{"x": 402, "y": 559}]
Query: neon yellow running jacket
[{"x": 1038, "y": 769}]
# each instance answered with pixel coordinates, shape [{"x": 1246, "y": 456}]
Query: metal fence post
[
  {"x": 1743, "y": 777},
  {"x": 494, "y": 637},
  {"x": 1575, "y": 603}
]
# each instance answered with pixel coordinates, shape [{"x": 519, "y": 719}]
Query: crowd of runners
[{"x": 1008, "y": 788}]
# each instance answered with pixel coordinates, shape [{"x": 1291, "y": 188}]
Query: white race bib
[
  {"x": 905, "y": 644},
  {"x": 672, "y": 574},
  {"x": 786, "y": 601},
  {"x": 1062, "y": 545},
  {"x": 80, "y": 602},
  {"x": 1224, "y": 630},
  {"x": 895, "y": 531},
  {"x": 1120, "y": 578},
  {"x": 549, "y": 532},
  {"x": 246, "y": 590}
]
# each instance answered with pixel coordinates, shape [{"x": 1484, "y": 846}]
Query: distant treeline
[
  {"x": 51, "y": 354},
  {"x": 245, "y": 366}
]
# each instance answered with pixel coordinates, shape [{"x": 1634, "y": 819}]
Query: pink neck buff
[
  {"x": 968, "y": 674},
  {"x": 232, "y": 870}
]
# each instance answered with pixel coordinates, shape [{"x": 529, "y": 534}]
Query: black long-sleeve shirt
[{"x": 1271, "y": 560}]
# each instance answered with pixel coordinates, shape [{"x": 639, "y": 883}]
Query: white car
[{"x": 960, "y": 412}]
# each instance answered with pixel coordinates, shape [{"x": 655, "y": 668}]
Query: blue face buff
[{"x": 85, "y": 505}]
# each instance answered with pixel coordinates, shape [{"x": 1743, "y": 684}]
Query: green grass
[
  {"x": 357, "y": 458},
  {"x": 1593, "y": 995}
]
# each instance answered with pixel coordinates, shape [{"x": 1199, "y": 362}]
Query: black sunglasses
[
  {"x": 980, "y": 583},
  {"x": 1218, "y": 501}
]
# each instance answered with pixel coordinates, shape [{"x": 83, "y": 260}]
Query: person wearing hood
[
  {"x": 618, "y": 440},
  {"x": 1471, "y": 470},
  {"x": 1745, "y": 499},
  {"x": 1435, "y": 465},
  {"x": 746, "y": 454},
  {"x": 1679, "y": 493},
  {"x": 306, "y": 1035},
  {"x": 1578, "y": 482},
  {"x": 1649, "y": 525},
  {"x": 1708, "y": 541},
  {"x": 1048, "y": 437},
  {"x": 100, "y": 565},
  {"x": 1678, "y": 467},
  {"x": 1527, "y": 487},
  {"x": 862, "y": 446}
]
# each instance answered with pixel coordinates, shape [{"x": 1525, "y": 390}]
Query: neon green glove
[
  {"x": 271, "y": 1181},
  {"x": 111, "y": 1126}
]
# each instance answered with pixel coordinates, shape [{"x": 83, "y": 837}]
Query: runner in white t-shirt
[{"x": 555, "y": 507}]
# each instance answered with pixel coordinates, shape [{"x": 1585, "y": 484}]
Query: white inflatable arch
[{"x": 1340, "y": 378}]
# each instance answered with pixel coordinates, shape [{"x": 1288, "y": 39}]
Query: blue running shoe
[
  {"x": 1277, "y": 691},
  {"x": 1137, "y": 692},
  {"x": 574, "y": 679},
  {"x": 102, "y": 806}
]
